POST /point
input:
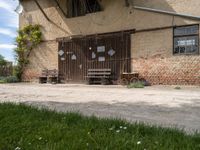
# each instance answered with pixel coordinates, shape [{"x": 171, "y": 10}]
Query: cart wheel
[
  {"x": 134, "y": 80},
  {"x": 123, "y": 81}
]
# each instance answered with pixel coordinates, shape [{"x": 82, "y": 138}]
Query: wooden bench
[
  {"x": 43, "y": 76},
  {"x": 49, "y": 76},
  {"x": 53, "y": 76},
  {"x": 102, "y": 76}
]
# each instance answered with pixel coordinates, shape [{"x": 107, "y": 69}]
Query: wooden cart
[{"x": 127, "y": 78}]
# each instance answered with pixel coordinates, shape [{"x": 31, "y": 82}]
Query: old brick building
[{"x": 157, "y": 38}]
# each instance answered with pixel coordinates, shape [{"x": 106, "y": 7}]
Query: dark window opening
[
  {"x": 186, "y": 40},
  {"x": 92, "y": 6},
  {"x": 77, "y": 8}
]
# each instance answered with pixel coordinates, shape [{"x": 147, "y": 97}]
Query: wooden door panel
[{"x": 76, "y": 70}]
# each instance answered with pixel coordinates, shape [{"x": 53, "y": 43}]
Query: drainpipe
[{"x": 167, "y": 12}]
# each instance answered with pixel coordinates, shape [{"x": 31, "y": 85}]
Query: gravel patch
[{"x": 159, "y": 105}]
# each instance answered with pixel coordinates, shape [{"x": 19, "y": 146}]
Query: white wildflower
[
  {"x": 117, "y": 131},
  {"x": 139, "y": 142},
  {"x": 120, "y": 127},
  {"x": 125, "y": 128},
  {"x": 40, "y": 138},
  {"x": 110, "y": 129},
  {"x": 17, "y": 148}
]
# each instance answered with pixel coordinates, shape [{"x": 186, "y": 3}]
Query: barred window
[{"x": 186, "y": 40}]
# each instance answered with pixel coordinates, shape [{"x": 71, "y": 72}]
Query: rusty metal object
[{"x": 127, "y": 78}]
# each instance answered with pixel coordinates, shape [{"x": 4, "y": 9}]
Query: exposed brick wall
[
  {"x": 177, "y": 70},
  {"x": 153, "y": 58}
]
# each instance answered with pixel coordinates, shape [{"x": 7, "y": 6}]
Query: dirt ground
[{"x": 159, "y": 105}]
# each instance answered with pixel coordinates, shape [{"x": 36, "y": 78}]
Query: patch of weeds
[
  {"x": 138, "y": 84},
  {"x": 177, "y": 88}
]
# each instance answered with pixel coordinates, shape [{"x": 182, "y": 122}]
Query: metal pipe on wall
[{"x": 167, "y": 12}]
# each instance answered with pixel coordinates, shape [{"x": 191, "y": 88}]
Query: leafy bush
[
  {"x": 2, "y": 60},
  {"x": 10, "y": 79},
  {"x": 138, "y": 84},
  {"x": 28, "y": 38},
  {"x": 17, "y": 72},
  {"x": 2, "y": 80}
]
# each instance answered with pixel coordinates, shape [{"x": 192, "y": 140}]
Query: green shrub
[
  {"x": 2, "y": 60},
  {"x": 138, "y": 84},
  {"x": 2, "y": 80},
  {"x": 10, "y": 79},
  {"x": 17, "y": 72}
]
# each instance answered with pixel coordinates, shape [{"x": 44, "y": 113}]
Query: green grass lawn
[{"x": 26, "y": 128}]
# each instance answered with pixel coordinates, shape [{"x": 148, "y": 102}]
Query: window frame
[{"x": 188, "y": 35}]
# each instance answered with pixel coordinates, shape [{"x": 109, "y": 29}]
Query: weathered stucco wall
[
  {"x": 151, "y": 51},
  {"x": 42, "y": 57},
  {"x": 114, "y": 17},
  {"x": 152, "y": 43}
]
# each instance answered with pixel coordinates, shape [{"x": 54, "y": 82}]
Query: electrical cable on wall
[{"x": 102, "y": 24}]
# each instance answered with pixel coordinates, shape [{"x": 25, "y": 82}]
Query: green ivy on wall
[{"x": 28, "y": 38}]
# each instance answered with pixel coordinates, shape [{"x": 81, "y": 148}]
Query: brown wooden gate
[{"x": 78, "y": 55}]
